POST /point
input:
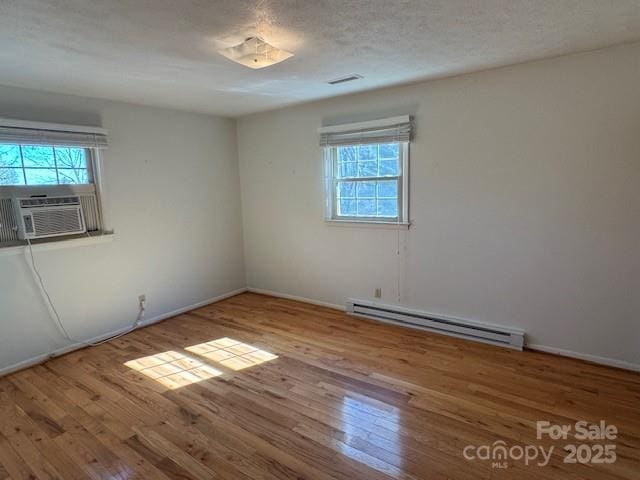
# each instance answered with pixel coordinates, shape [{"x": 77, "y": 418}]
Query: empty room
[{"x": 321, "y": 240}]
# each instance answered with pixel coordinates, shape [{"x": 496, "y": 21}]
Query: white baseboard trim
[
  {"x": 295, "y": 297},
  {"x": 30, "y": 362},
  {"x": 188, "y": 308},
  {"x": 609, "y": 362}
]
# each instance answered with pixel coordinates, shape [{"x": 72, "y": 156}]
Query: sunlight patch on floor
[
  {"x": 173, "y": 369},
  {"x": 232, "y": 353}
]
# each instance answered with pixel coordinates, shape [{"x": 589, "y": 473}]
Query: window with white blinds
[
  {"x": 49, "y": 160},
  {"x": 367, "y": 170},
  {"x": 34, "y": 136}
]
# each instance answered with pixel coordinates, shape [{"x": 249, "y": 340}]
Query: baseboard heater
[{"x": 455, "y": 327}]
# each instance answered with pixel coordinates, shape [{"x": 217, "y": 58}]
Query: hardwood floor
[{"x": 256, "y": 387}]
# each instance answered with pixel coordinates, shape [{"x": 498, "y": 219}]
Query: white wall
[
  {"x": 525, "y": 202},
  {"x": 173, "y": 196}
]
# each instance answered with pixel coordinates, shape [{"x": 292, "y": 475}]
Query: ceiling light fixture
[{"x": 255, "y": 53}]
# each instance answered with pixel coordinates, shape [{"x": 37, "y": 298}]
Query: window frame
[{"x": 332, "y": 181}]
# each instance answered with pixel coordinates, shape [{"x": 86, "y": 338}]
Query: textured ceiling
[{"x": 164, "y": 52}]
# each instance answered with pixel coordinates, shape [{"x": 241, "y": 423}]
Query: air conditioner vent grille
[
  {"x": 42, "y": 217},
  {"x": 8, "y": 224},
  {"x": 48, "y": 201},
  {"x": 56, "y": 222},
  {"x": 91, "y": 212}
]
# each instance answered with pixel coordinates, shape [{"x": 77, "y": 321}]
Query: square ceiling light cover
[{"x": 255, "y": 53}]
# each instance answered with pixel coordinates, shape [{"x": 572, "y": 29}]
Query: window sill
[
  {"x": 43, "y": 246},
  {"x": 368, "y": 224}
]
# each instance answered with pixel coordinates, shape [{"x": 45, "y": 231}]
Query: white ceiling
[{"x": 164, "y": 52}]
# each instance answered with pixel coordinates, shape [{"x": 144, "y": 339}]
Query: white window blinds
[
  {"x": 35, "y": 133},
  {"x": 388, "y": 130}
]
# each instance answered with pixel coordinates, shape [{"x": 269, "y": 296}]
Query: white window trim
[
  {"x": 97, "y": 157},
  {"x": 368, "y": 224},
  {"x": 331, "y": 192}
]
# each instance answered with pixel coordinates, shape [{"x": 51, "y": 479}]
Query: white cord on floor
[{"x": 56, "y": 316}]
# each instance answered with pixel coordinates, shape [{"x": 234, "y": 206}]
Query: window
[
  {"x": 367, "y": 182},
  {"x": 49, "y": 160},
  {"x": 366, "y": 169},
  {"x": 44, "y": 165}
]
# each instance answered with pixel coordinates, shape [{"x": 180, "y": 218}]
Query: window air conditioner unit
[{"x": 42, "y": 217}]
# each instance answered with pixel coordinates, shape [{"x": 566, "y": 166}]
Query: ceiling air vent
[{"x": 348, "y": 78}]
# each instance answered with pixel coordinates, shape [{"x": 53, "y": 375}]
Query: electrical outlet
[
  {"x": 142, "y": 303},
  {"x": 378, "y": 293}
]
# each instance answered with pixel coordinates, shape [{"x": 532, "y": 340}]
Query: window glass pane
[
  {"x": 388, "y": 208},
  {"x": 357, "y": 195},
  {"x": 366, "y": 207},
  {"x": 45, "y": 165},
  {"x": 10, "y": 156},
  {"x": 389, "y": 151},
  {"x": 36, "y": 156},
  {"x": 347, "y": 154},
  {"x": 366, "y": 190},
  {"x": 41, "y": 176},
  {"x": 368, "y": 199},
  {"x": 388, "y": 189},
  {"x": 367, "y": 169},
  {"x": 367, "y": 153},
  {"x": 347, "y": 207},
  {"x": 73, "y": 176},
  {"x": 67, "y": 157},
  {"x": 369, "y": 161},
  {"x": 346, "y": 190},
  {"x": 389, "y": 168},
  {"x": 11, "y": 176},
  {"x": 348, "y": 169}
]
